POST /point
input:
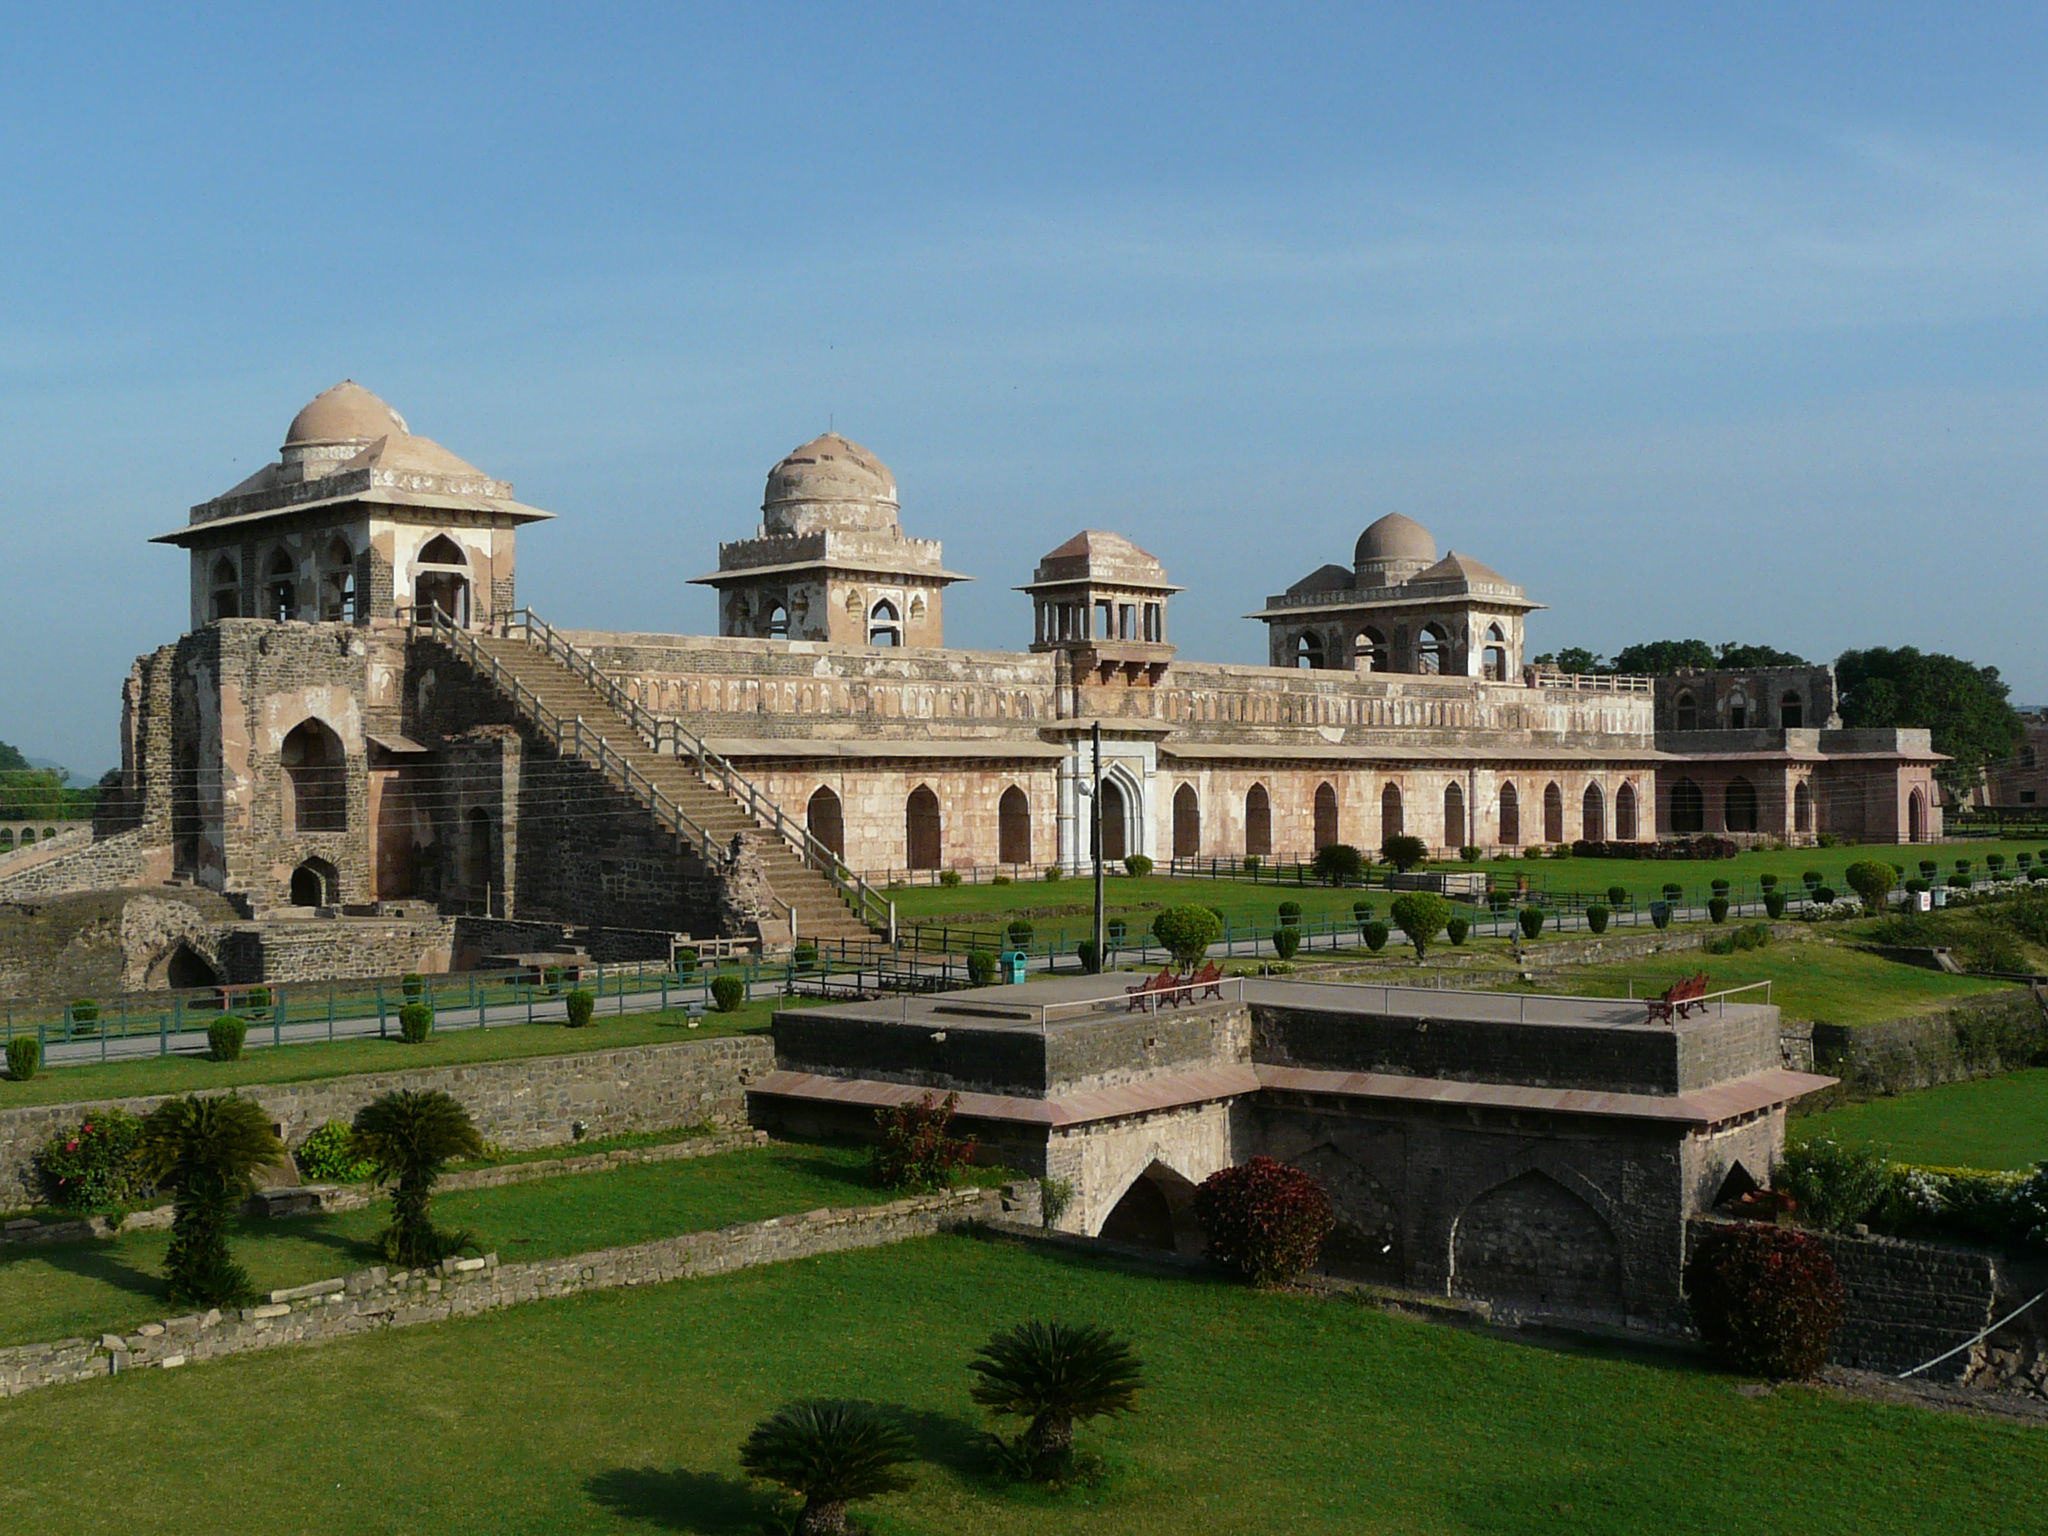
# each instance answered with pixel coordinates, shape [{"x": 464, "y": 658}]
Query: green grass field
[
  {"x": 342, "y": 1058},
  {"x": 1988, "y": 1122},
  {"x": 622, "y": 1411},
  {"x": 56, "y": 1291}
]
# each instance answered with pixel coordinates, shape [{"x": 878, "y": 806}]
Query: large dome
[
  {"x": 1395, "y": 537},
  {"x": 347, "y": 413},
  {"x": 829, "y": 468}
]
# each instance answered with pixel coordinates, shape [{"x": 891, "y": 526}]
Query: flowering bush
[
  {"x": 95, "y": 1164},
  {"x": 1264, "y": 1219},
  {"x": 1766, "y": 1299},
  {"x": 916, "y": 1151}
]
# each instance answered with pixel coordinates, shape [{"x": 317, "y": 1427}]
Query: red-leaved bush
[
  {"x": 1766, "y": 1299},
  {"x": 1264, "y": 1219},
  {"x": 915, "y": 1151}
]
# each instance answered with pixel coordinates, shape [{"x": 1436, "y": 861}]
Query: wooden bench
[
  {"x": 1154, "y": 991},
  {"x": 1679, "y": 999},
  {"x": 1210, "y": 979}
]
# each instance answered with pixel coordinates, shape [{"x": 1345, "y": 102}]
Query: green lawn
[
  {"x": 1988, "y": 1122},
  {"x": 621, "y": 1411},
  {"x": 1810, "y": 979},
  {"x": 56, "y": 1291},
  {"x": 342, "y": 1058}
]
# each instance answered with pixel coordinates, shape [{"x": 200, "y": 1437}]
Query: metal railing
[{"x": 669, "y": 737}]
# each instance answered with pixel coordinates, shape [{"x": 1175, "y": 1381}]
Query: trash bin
[
  {"x": 1940, "y": 895},
  {"x": 1013, "y": 966}
]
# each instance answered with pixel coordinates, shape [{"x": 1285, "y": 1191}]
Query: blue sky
[{"x": 1729, "y": 325}]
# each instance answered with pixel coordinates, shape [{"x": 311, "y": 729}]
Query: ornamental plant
[
  {"x": 1717, "y": 909},
  {"x": 413, "y": 985},
  {"x": 1054, "y": 1376},
  {"x": 727, "y": 993},
  {"x": 1617, "y": 896},
  {"x": 1339, "y": 864},
  {"x": 1929, "y": 869},
  {"x": 1835, "y": 1184},
  {"x": 1871, "y": 881},
  {"x": 1766, "y": 1299},
  {"x": 1774, "y": 904},
  {"x": 830, "y": 1455},
  {"x": 1375, "y": 935},
  {"x": 1596, "y": 918},
  {"x": 1019, "y": 933},
  {"x": 415, "y": 1023},
  {"x": 95, "y": 1164},
  {"x": 1456, "y": 929},
  {"x": 981, "y": 968},
  {"x": 1811, "y": 878},
  {"x": 949, "y": 878},
  {"x": 1660, "y": 915},
  {"x": 1403, "y": 852},
  {"x": 1361, "y": 913},
  {"x": 1187, "y": 931},
  {"x": 1286, "y": 942},
  {"x": 329, "y": 1156},
  {"x": 1114, "y": 931},
  {"x": 1089, "y": 953},
  {"x": 1825, "y": 895},
  {"x": 1674, "y": 892},
  {"x": 803, "y": 954},
  {"x": 1290, "y": 913},
  {"x": 207, "y": 1151},
  {"x": 1531, "y": 920},
  {"x": 408, "y": 1136},
  {"x": 1422, "y": 915},
  {"x": 1767, "y": 881},
  {"x": 1471, "y": 853},
  {"x": 224, "y": 1037},
  {"x": 24, "y": 1056},
  {"x": 84, "y": 1014},
  {"x": 1264, "y": 1220},
  {"x": 580, "y": 1005},
  {"x": 918, "y": 1150},
  {"x": 686, "y": 960},
  {"x": 1137, "y": 866}
]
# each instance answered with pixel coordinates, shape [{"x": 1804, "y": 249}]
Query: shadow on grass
[
  {"x": 707, "y": 1503},
  {"x": 826, "y": 1171},
  {"x": 100, "y": 1261}
]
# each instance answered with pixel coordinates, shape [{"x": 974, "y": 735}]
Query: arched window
[
  {"x": 1013, "y": 827},
  {"x": 1738, "y": 806},
  {"x": 1738, "y": 711},
  {"x": 1258, "y": 821},
  {"x": 227, "y": 589},
  {"x": 922, "y": 831},
  {"x": 1390, "y": 813},
  {"x": 1115, "y": 818},
  {"x": 1433, "y": 651},
  {"x": 1593, "y": 815},
  {"x": 315, "y": 883},
  {"x": 1326, "y": 816},
  {"x": 1688, "y": 712},
  {"x": 281, "y": 587},
  {"x": 885, "y": 627},
  {"x": 1454, "y": 816},
  {"x": 1308, "y": 651},
  {"x": 337, "y": 582},
  {"x": 1791, "y": 711},
  {"x": 316, "y": 778},
  {"x": 776, "y": 625},
  {"x": 441, "y": 579},
  {"x": 1625, "y": 814},
  {"x": 1496, "y": 657},
  {"x": 1553, "y": 813},
  {"x": 1187, "y": 822},
  {"x": 1688, "y": 807},
  {"x": 826, "y": 821},
  {"x": 1369, "y": 651},
  {"x": 1802, "y": 807},
  {"x": 1510, "y": 816}
]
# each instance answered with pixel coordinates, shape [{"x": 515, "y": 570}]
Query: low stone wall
[
  {"x": 375, "y": 1299},
  {"x": 1981, "y": 1036},
  {"x": 335, "y": 949},
  {"x": 125, "y": 859},
  {"x": 528, "y": 1102}
]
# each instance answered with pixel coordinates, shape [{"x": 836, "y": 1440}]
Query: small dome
[
  {"x": 347, "y": 413},
  {"x": 1395, "y": 537},
  {"x": 829, "y": 468}
]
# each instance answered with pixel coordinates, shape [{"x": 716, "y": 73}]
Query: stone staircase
[{"x": 686, "y": 788}]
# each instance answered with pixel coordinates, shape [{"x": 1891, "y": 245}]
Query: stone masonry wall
[
  {"x": 1998, "y": 1032},
  {"x": 532, "y": 1102},
  {"x": 375, "y": 1299}
]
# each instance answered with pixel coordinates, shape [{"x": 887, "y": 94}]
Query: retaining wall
[
  {"x": 1981, "y": 1036},
  {"x": 522, "y": 1103},
  {"x": 375, "y": 1299}
]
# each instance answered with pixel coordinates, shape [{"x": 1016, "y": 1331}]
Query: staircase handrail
[{"x": 874, "y": 909}]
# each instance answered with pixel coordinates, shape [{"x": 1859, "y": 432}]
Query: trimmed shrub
[
  {"x": 686, "y": 961},
  {"x": 1052, "y": 875},
  {"x": 1617, "y": 896},
  {"x": 224, "y": 1036},
  {"x": 24, "y": 1056},
  {"x": 1114, "y": 930},
  {"x": 1404, "y": 852},
  {"x": 1264, "y": 1220},
  {"x": 1187, "y": 931},
  {"x": 727, "y": 993},
  {"x": 1834, "y": 1185},
  {"x": 413, "y": 985},
  {"x": 803, "y": 954},
  {"x": 1470, "y": 853},
  {"x": 1871, "y": 881},
  {"x": 1767, "y": 881},
  {"x": 1019, "y": 933},
  {"x": 329, "y": 1156},
  {"x": 1929, "y": 869},
  {"x": 1963, "y": 866},
  {"x": 1286, "y": 942},
  {"x": 1339, "y": 864},
  {"x": 1361, "y": 913},
  {"x": 1811, "y": 878},
  {"x": 1774, "y": 904},
  {"x": 95, "y": 1164},
  {"x": 1596, "y": 918},
  {"x": 1674, "y": 892},
  {"x": 415, "y": 1023},
  {"x": 1531, "y": 921},
  {"x": 1375, "y": 935},
  {"x": 917, "y": 1151},
  {"x": 83, "y": 1012},
  {"x": 999, "y": 880},
  {"x": 1995, "y": 862},
  {"x": 552, "y": 978},
  {"x": 1718, "y": 887},
  {"x": 1290, "y": 914},
  {"x": 1660, "y": 915},
  {"x": 1766, "y": 1299},
  {"x": 949, "y": 878},
  {"x": 1090, "y": 956},
  {"x": 1717, "y": 908},
  {"x": 1958, "y": 882},
  {"x": 1456, "y": 929},
  {"x": 1137, "y": 866},
  {"x": 581, "y": 1005},
  {"x": 981, "y": 968},
  {"x": 257, "y": 1001},
  {"x": 1251, "y": 863},
  {"x": 1422, "y": 915}
]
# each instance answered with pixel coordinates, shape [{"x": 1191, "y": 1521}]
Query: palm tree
[
  {"x": 829, "y": 1454},
  {"x": 1055, "y": 1375},
  {"x": 207, "y": 1151},
  {"x": 410, "y": 1135}
]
